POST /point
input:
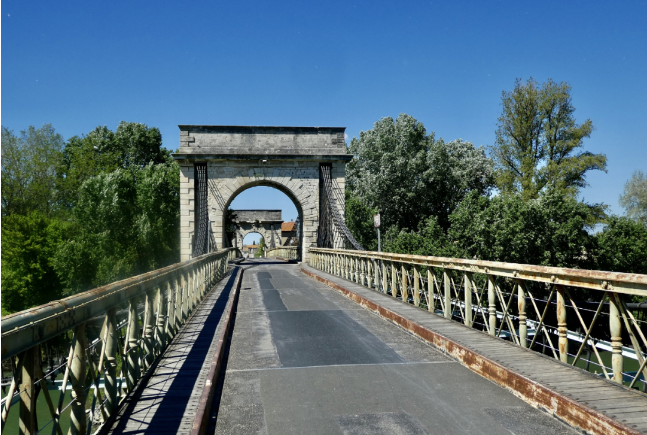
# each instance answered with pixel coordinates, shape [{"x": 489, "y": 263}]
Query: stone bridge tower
[{"x": 236, "y": 158}]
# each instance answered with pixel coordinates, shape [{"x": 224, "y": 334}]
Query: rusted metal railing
[
  {"x": 517, "y": 302},
  {"x": 285, "y": 252},
  {"x": 103, "y": 362}
]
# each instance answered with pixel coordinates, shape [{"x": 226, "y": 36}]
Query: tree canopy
[
  {"x": 86, "y": 212},
  {"x": 408, "y": 175},
  {"x": 634, "y": 197},
  {"x": 538, "y": 142}
]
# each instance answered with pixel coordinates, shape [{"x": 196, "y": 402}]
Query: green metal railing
[
  {"x": 495, "y": 297},
  {"x": 103, "y": 363}
]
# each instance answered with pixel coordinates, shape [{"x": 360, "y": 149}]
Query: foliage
[
  {"x": 131, "y": 146},
  {"x": 359, "y": 220},
  {"x": 408, "y": 175},
  {"x": 548, "y": 231},
  {"x": 260, "y": 252},
  {"x": 622, "y": 246},
  {"x": 29, "y": 243},
  {"x": 538, "y": 141},
  {"x": 127, "y": 223},
  {"x": 30, "y": 163},
  {"x": 430, "y": 239},
  {"x": 634, "y": 197}
]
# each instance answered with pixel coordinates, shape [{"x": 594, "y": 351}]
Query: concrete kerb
[
  {"x": 539, "y": 396},
  {"x": 201, "y": 421}
]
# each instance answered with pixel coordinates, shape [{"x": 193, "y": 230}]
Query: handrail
[
  {"x": 626, "y": 283},
  {"x": 498, "y": 304},
  {"x": 27, "y": 328},
  {"x": 286, "y": 252},
  {"x": 168, "y": 297}
]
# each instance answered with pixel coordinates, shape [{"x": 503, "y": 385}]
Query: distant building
[
  {"x": 250, "y": 249},
  {"x": 288, "y": 233}
]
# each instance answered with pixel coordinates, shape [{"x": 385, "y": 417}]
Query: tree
[
  {"x": 430, "y": 239},
  {"x": 408, "y": 175},
  {"x": 30, "y": 163},
  {"x": 126, "y": 223},
  {"x": 538, "y": 143},
  {"x": 260, "y": 252},
  {"x": 634, "y": 197},
  {"x": 621, "y": 246},
  {"x": 359, "y": 220},
  {"x": 548, "y": 231},
  {"x": 132, "y": 145},
  {"x": 29, "y": 244}
]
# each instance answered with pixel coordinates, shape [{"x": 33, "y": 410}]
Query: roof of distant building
[{"x": 288, "y": 226}]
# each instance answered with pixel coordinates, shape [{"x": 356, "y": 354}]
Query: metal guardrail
[
  {"x": 286, "y": 252},
  {"x": 449, "y": 286},
  {"x": 151, "y": 307}
]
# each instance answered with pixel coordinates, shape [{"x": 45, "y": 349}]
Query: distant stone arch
[{"x": 238, "y": 158}]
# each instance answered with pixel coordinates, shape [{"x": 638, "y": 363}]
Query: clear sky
[{"x": 82, "y": 64}]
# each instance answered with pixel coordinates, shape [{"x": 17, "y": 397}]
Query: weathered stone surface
[{"x": 238, "y": 158}]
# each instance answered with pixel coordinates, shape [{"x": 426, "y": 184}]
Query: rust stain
[{"x": 537, "y": 395}]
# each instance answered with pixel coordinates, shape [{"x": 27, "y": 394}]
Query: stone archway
[
  {"x": 267, "y": 223},
  {"x": 238, "y": 158}
]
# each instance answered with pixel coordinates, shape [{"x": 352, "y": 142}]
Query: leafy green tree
[
  {"x": 29, "y": 244},
  {"x": 131, "y": 146},
  {"x": 539, "y": 144},
  {"x": 30, "y": 162},
  {"x": 634, "y": 197},
  {"x": 408, "y": 175},
  {"x": 261, "y": 249},
  {"x": 548, "y": 231},
  {"x": 430, "y": 239},
  {"x": 126, "y": 223},
  {"x": 359, "y": 220},
  {"x": 621, "y": 246}
]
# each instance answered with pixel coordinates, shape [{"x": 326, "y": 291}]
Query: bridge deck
[{"x": 306, "y": 360}]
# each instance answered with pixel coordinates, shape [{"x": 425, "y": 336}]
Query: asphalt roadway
[{"x": 303, "y": 359}]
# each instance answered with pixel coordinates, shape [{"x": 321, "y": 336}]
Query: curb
[
  {"x": 201, "y": 421},
  {"x": 569, "y": 411}
]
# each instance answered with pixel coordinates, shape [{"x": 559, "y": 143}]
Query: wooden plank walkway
[
  {"x": 169, "y": 400},
  {"x": 585, "y": 401}
]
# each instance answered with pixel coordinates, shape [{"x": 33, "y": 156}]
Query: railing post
[
  {"x": 615, "y": 327},
  {"x": 78, "y": 371},
  {"x": 491, "y": 297},
  {"x": 362, "y": 266},
  {"x": 133, "y": 335},
  {"x": 385, "y": 278},
  {"x": 561, "y": 325},
  {"x": 467, "y": 286},
  {"x": 170, "y": 311},
  {"x": 523, "y": 327},
  {"x": 394, "y": 281},
  {"x": 416, "y": 285},
  {"x": 405, "y": 284},
  {"x": 149, "y": 327},
  {"x": 431, "y": 302},
  {"x": 110, "y": 376},
  {"x": 27, "y": 415},
  {"x": 448, "y": 295},
  {"x": 346, "y": 266},
  {"x": 369, "y": 273},
  {"x": 376, "y": 268}
]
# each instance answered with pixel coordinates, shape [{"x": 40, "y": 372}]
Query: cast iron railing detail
[
  {"x": 332, "y": 226},
  {"x": 525, "y": 304},
  {"x": 111, "y": 335}
]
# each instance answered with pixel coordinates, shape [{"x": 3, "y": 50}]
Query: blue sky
[{"x": 82, "y": 64}]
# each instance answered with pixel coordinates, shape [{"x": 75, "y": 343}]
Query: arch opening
[{"x": 263, "y": 209}]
